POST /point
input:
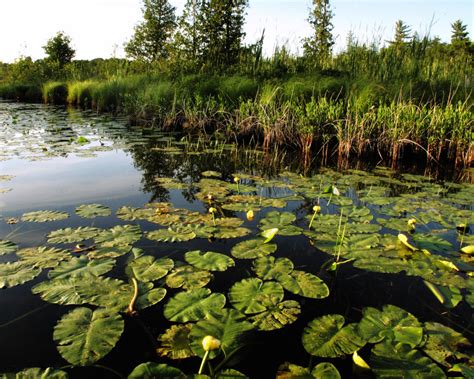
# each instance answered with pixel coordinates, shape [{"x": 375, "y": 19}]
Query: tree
[
  {"x": 59, "y": 50},
  {"x": 459, "y": 35},
  {"x": 318, "y": 47},
  {"x": 151, "y": 38},
  {"x": 402, "y": 33}
]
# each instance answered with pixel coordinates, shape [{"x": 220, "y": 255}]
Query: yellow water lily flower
[
  {"x": 317, "y": 209},
  {"x": 212, "y": 210},
  {"x": 250, "y": 215},
  {"x": 236, "y": 179},
  {"x": 210, "y": 343}
]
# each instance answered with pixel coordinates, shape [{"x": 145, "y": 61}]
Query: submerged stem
[
  {"x": 131, "y": 306},
  {"x": 204, "y": 359}
]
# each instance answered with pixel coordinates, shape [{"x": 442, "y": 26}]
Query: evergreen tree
[
  {"x": 402, "y": 33},
  {"x": 318, "y": 48},
  {"x": 459, "y": 35},
  {"x": 59, "y": 49},
  {"x": 151, "y": 39}
]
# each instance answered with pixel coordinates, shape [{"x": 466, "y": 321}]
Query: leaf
[
  {"x": 253, "y": 248},
  {"x": 254, "y": 296},
  {"x": 325, "y": 336},
  {"x": 325, "y": 370},
  {"x": 291, "y": 371},
  {"x": 193, "y": 305},
  {"x": 209, "y": 260},
  {"x": 277, "y": 316},
  {"x": 359, "y": 361},
  {"x": 7, "y": 247},
  {"x": 450, "y": 297},
  {"x": 188, "y": 277},
  {"x": 172, "y": 234},
  {"x": 44, "y": 216},
  {"x": 392, "y": 323},
  {"x": 228, "y": 326},
  {"x": 304, "y": 284},
  {"x": 148, "y": 269},
  {"x": 468, "y": 250},
  {"x": 120, "y": 235},
  {"x": 281, "y": 221},
  {"x": 228, "y": 232},
  {"x": 38, "y": 373},
  {"x": 175, "y": 343},
  {"x": 80, "y": 266},
  {"x": 269, "y": 268},
  {"x": 101, "y": 252},
  {"x": 43, "y": 257},
  {"x": 84, "y": 336},
  {"x": 70, "y": 235},
  {"x": 93, "y": 210},
  {"x": 269, "y": 234},
  {"x": 133, "y": 214},
  {"x": 443, "y": 344},
  {"x": 16, "y": 273},
  {"x": 156, "y": 370},
  {"x": 400, "y": 361},
  {"x": 432, "y": 243}
]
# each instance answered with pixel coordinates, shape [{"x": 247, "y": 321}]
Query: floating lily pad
[
  {"x": 254, "y": 296},
  {"x": 120, "y": 235},
  {"x": 432, "y": 243},
  {"x": 148, "y": 269},
  {"x": 37, "y": 373},
  {"x": 93, "y": 210},
  {"x": 102, "y": 252},
  {"x": 44, "y": 216},
  {"x": 304, "y": 284},
  {"x": 193, "y": 305},
  {"x": 172, "y": 234},
  {"x": 269, "y": 268},
  {"x": 84, "y": 336},
  {"x": 175, "y": 343},
  {"x": 228, "y": 232},
  {"x": 327, "y": 336},
  {"x": 188, "y": 277},
  {"x": 156, "y": 370},
  {"x": 392, "y": 323},
  {"x": 209, "y": 260},
  {"x": 7, "y": 247},
  {"x": 324, "y": 370},
  {"x": 277, "y": 316},
  {"x": 133, "y": 214},
  {"x": 72, "y": 235},
  {"x": 253, "y": 248},
  {"x": 282, "y": 221},
  {"x": 16, "y": 273},
  {"x": 43, "y": 257},
  {"x": 80, "y": 266},
  {"x": 228, "y": 326}
]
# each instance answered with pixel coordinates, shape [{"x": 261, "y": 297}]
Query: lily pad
[
  {"x": 148, "y": 269},
  {"x": 269, "y": 268},
  {"x": 304, "y": 284},
  {"x": 277, "y": 316},
  {"x": 175, "y": 343},
  {"x": 80, "y": 266},
  {"x": 254, "y": 296},
  {"x": 209, "y": 260},
  {"x": 193, "y": 305},
  {"x": 156, "y": 370},
  {"x": 93, "y": 210},
  {"x": 16, "y": 273},
  {"x": 324, "y": 370},
  {"x": 43, "y": 257},
  {"x": 172, "y": 234},
  {"x": 7, "y": 247},
  {"x": 188, "y": 277},
  {"x": 102, "y": 252},
  {"x": 326, "y": 336},
  {"x": 72, "y": 235},
  {"x": 84, "y": 336},
  {"x": 253, "y": 248},
  {"x": 44, "y": 216},
  {"x": 37, "y": 373},
  {"x": 120, "y": 235},
  {"x": 228, "y": 232}
]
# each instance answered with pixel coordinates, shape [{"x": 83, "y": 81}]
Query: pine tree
[
  {"x": 151, "y": 39},
  {"x": 318, "y": 48},
  {"x": 459, "y": 35},
  {"x": 402, "y": 33}
]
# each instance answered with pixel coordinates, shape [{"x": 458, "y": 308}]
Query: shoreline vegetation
[{"x": 410, "y": 98}]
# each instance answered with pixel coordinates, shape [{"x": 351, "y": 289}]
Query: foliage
[{"x": 59, "y": 50}]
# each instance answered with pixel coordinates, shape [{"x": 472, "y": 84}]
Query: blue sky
[{"x": 99, "y": 28}]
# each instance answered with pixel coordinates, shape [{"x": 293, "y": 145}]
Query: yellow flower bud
[
  {"x": 212, "y": 210},
  {"x": 236, "y": 179},
  {"x": 317, "y": 209},
  {"x": 209, "y": 196},
  {"x": 411, "y": 222},
  {"x": 250, "y": 215},
  {"x": 210, "y": 343}
]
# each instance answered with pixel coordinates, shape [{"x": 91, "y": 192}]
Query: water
[{"x": 57, "y": 159}]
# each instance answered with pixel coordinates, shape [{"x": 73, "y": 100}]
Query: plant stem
[
  {"x": 204, "y": 359},
  {"x": 130, "y": 309}
]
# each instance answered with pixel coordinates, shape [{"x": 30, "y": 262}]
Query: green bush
[{"x": 55, "y": 93}]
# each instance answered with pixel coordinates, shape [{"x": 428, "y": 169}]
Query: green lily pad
[
  {"x": 84, "y": 336},
  {"x": 148, "y": 269},
  {"x": 44, "y": 216},
  {"x": 7, "y": 247},
  {"x": 253, "y": 248},
  {"x": 254, "y": 296},
  {"x": 16, "y": 273},
  {"x": 156, "y": 370},
  {"x": 43, "y": 257},
  {"x": 120, "y": 235},
  {"x": 133, "y": 214},
  {"x": 72, "y": 235},
  {"x": 269, "y": 268},
  {"x": 282, "y": 221},
  {"x": 175, "y": 342},
  {"x": 392, "y": 323},
  {"x": 395, "y": 361},
  {"x": 80, "y": 266},
  {"x": 37, "y": 373},
  {"x": 304, "y": 284},
  {"x": 209, "y": 260},
  {"x": 93, "y": 210},
  {"x": 172, "y": 234},
  {"x": 193, "y": 305},
  {"x": 324, "y": 370},
  {"x": 228, "y": 326},
  {"x": 227, "y": 233},
  {"x": 432, "y": 243},
  {"x": 277, "y": 316},
  {"x": 102, "y": 252},
  {"x": 326, "y": 336},
  {"x": 188, "y": 277}
]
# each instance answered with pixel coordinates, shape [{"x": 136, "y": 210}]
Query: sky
[{"x": 99, "y": 28}]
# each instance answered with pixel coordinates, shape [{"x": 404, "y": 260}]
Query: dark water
[{"x": 117, "y": 167}]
